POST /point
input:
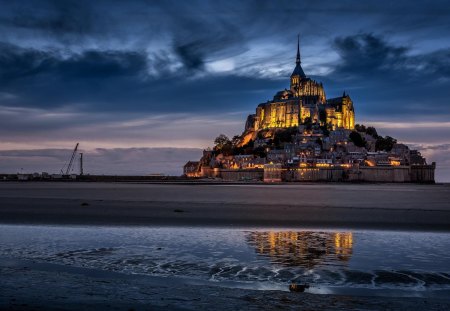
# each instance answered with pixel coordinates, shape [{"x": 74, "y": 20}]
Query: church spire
[{"x": 298, "y": 71}]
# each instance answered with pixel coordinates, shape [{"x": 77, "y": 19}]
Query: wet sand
[
  {"x": 71, "y": 288},
  {"x": 371, "y": 206},
  {"x": 28, "y": 285}
]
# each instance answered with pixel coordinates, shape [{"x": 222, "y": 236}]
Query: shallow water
[{"x": 358, "y": 262}]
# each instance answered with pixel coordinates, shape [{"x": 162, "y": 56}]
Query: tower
[{"x": 298, "y": 74}]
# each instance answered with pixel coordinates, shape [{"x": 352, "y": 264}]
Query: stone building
[
  {"x": 304, "y": 101},
  {"x": 192, "y": 169}
]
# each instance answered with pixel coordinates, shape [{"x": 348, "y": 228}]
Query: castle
[
  {"x": 305, "y": 100},
  {"x": 300, "y": 135}
]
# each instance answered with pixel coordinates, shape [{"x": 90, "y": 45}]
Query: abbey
[
  {"x": 300, "y": 135},
  {"x": 305, "y": 101}
]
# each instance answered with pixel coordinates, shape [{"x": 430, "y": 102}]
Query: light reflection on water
[
  {"x": 305, "y": 249},
  {"x": 412, "y": 261}
]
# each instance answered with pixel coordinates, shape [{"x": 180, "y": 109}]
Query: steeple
[{"x": 298, "y": 71}]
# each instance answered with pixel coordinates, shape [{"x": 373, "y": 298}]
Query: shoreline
[{"x": 193, "y": 181}]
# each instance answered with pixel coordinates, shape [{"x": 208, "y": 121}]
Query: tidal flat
[
  {"x": 75, "y": 246},
  {"x": 325, "y": 205}
]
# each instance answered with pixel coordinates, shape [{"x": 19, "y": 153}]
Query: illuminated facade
[{"x": 304, "y": 100}]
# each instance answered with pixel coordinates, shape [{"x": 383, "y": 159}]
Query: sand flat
[{"x": 383, "y": 206}]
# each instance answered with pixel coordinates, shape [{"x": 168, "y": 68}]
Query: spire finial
[{"x": 297, "y": 60}]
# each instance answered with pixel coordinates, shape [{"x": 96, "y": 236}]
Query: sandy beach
[
  {"x": 370, "y": 206},
  {"x": 29, "y": 284}
]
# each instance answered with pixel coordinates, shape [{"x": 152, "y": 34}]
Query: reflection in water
[
  {"x": 303, "y": 249},
  {"x": 413, "y": 262}
]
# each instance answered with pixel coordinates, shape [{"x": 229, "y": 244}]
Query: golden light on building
[
  {"x": 370, "y": 163},
  {"x": 323, "y": 165},
  {"x": 395, "y": 163},
  {"x": 304, "y": 100}
]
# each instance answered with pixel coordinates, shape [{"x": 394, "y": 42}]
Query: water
[{"x": 357, "y": 262}]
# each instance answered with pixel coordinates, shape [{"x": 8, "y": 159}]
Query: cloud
[
  {"x": 117, "y": 80},
  {"x": 386, "y": 79},
  {"x": 366, "y": 53},
  {"x": 162, "y": 73},
  {"x": 371, "y": 56},
  {"x": 19, "y": 63},
  {"x": 31, "y": 128},
  {"x": 58, "y": 17}
]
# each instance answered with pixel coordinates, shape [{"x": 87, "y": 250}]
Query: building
[
  {"x": 305, "y": 101},
  {"x": 192, "y": 169}
]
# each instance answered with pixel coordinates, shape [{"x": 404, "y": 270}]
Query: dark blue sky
[{"x": 147, "y": 74}]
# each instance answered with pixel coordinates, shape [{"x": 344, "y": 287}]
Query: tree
[
  {"x": 323, "y": 116},
  {"x": 372, "y": 132},
  {"x": 357, "y": 139},
  {"x": 260, "y": 152},
  {"x": 285, "y": 135},
  {"x": 236, "y": 140},
  {"x": 326, "y": 128},
  {"x": 227, "y": 149},
  {"x": 385, "y": 143},
  {"x": 360, "y": 128},
  {"x": 261, "y": 134},
  {"x": 223, "y": 145},
  {"x": 221, "y": 141},
  {"x": 319, "y": 142},
  {"x": 308, "y": 123}
]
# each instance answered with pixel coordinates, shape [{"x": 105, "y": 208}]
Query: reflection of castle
[{"x": 305, "y": 248}]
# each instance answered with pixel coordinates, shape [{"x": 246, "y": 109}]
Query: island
[{"x": 301, "y": 135}]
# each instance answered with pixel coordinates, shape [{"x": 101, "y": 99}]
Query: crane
[{"x": 71, "y": 161}]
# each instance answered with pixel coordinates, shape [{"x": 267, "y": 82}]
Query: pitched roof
[{"x": 298, "y": 71}]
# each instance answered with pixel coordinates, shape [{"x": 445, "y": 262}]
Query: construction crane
[
  {"x": 69, "y": 167},
  {"x": 81, "y": 163}
]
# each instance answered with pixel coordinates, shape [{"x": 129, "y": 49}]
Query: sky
[{"x": 144, "y": 86}]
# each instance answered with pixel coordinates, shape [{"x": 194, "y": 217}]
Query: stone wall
[
  {"x": 381, "y": 174},
  {"x": 276, "y": 173},
  {"x": 209, "y": 172},
  {"x": 242, "y": 175},
  {"x": 389, "y": 174},
  {"x": 423, "y": 173},
  {"x": 314, "y": 174}
]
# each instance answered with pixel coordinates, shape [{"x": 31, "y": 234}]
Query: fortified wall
[{"x": 273, "y": 173}]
